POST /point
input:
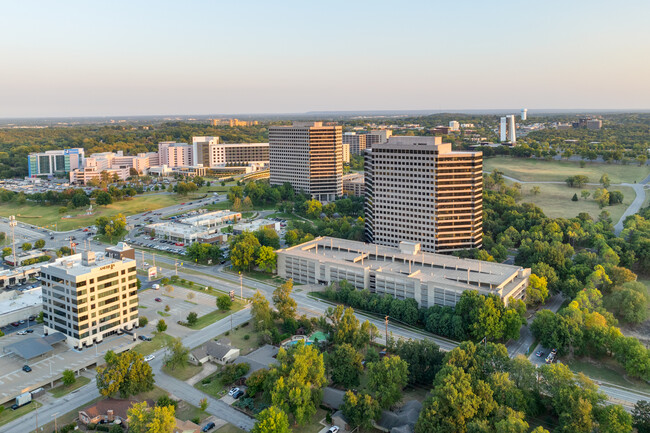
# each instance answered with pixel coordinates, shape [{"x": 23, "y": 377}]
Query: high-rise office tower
[
  {"x": 88, "y": 299},
  {"x": 524, "y": 113},
  {"x": 309, "y": 156},
  {"x": 507, "y": 129},
  {"x": 356, "y": 141},
  {"x": 379, "y": 136},
  {"x": 419, "y": 190}
]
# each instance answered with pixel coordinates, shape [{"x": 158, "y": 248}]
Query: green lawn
[
  {"x": 555, "y": 200},
  {"x": 187, "y": 412},
  {"x": 46, "y": 216},
  {"x": 215, "y": 388},
  {"x": 607, "y": 370},
  {"x": 159, "y": 340},
  {"x": 61, "y": 390},
  {"x": 264, "y": 277},
  {"x": 530, "y": 170},
  {"x": 229, "y": 428},
  {"x": 183, "y": 373},
  {"x": 238, "y": 340},
  {"x": 9, "y": 415},
  {"x": 213, "y": 316}
]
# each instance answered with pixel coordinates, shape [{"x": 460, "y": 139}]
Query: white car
[
  {"x": 149, "y": 358},
  {"x": 21, "y": 333},
  {"x": 333, "y": 429},
  {"x": 233, "y": 391}
]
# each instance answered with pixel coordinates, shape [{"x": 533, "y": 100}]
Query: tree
[
  {"x": 283, "y": 301},
  {"x": 39, "y": 244},
  {"x": 176, "y": 355},
  {"x": 360, "y": 410},
  {"x": 114, "y": 227},
  {"x": 161, "y": 326},
  {"x": 575, "y": 197},
  {"x": 157, "y": 419},
  {"x": 641, "y": 416},
  {"x": 602, "y": 197},
  {"x": 203, "y": 404},
  {"x": 142, "y": 321},
  {"x": 268, "y": 237},
  {"x": 243, "y": 251},
  {"x": 577, "y": 181},
  {"x": 535, "y": 190},
  {"x": 301, "y": 375},
  {"x": 345, "y": 365},
  {"x": 271, "y": 420},
  {"x": 604, "y": 180},
  {"x": 628, "y": 305},
  {"x": 261, "y": 312},
  {"x": 614, "y": 419},
  {"x": 192, "y": 318},
  {"x": 125, "y": 374},
  {"x": 313, "y": 208},
  {"x": 423, "y": 357},
  {"x": 26, "y": 246},
  {"x": 346, "y": 329},
  {"x": 386, "y": 379},
  {"x": 585, "y": 194},
  {"x": 68, "y": 377},
  {"x": 6, "y": 251},
  {"x": 615, "y": 197},
  {"x": 224, "y": 303},
  {"x": 267, "y": 259},
  {"x": 103, "y": 198},
  {"x": 537, "y": 290}
]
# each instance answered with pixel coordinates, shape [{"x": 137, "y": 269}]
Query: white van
[{"x": 156, "y": 286}]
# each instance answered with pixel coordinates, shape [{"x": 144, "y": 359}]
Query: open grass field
[
  {"x": 607, "y": 370},
  {"x": 61, "y": 390},
  {"x": 183, "y": 373},
  {"x": 213, "y": 316},
  {"x": 9, "y": 415},
  {"x": 229, "y": 428},
  {"x": 555, "y": 200},
  {"x": 47, "y": 216},
  {"x": 531, "y": 170},
  {"x": 238, "y": 339},
  {"x": 158, "y": 341}
]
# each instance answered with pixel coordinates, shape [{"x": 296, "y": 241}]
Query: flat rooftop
[
  {"x": 25, "y": 299},
  {"x": 73, "y": 265},
  {"x": 422, "y": 265}
]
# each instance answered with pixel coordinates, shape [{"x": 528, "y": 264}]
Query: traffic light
[{"x": 232, "y": 295}]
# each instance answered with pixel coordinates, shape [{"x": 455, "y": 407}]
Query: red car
[
  {"x": 179, "y": 244},
  {"x": 85, "y": 230},
  {"x": 158, "y": 300}
]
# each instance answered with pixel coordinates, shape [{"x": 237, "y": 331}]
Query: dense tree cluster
[{"x": 124, "y": 374}]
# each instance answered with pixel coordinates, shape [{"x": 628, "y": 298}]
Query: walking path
[{"x": 634, "y": 207}]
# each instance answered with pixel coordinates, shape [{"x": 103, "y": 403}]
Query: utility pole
[
  {"x": 241, "y": 286},
  {"x": 142, "y": 259},
  {"x": 176, "y": 267},
  {"x": 12, "y": 224},
  {"x": 386, "y": 319},
  {"x": 56, "y": 428}
]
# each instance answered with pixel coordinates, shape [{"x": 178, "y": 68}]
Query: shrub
[
  {"x": 196, "y": 420},
  {"x": 142, "y": 321},
  {"x": 227, "y": 333},
  {"x": 102, "y": 427},
  {"x": 244, "y": 324},
  {"x": 247, "y": 337},
  {"x": 92, "y": 426}
]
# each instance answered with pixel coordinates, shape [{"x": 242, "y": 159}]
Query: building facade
[
  {"x": 356, "y": 141},
  {"x": 353, "y": 184},
  {"x": 508, "y": 129},
  {"x": 205, "y": 151},
  {"x": 401, "y": 272},
  {"x": 309, "y": 156},
  {"x": 419, "y": 190},
  {"x": 246, "y": 153},
  {"x": 88, "y": 299},
  {"x": 55, "y": 162},
  {"x": 376, "y": 137}
]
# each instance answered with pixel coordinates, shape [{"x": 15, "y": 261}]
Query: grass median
[{"x": 61, "y": 390}]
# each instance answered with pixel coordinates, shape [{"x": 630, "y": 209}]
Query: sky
[{"x": 140, "y": 57}]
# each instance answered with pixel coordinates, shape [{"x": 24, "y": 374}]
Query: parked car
[
  {"x": 144, "y": 338},
  {"x": 238, "y": 394},
  {"x": 158, "y": 300},
  {"x": 27, "y": 368},
  {"x": 333, "y": 429},
  {"x": 29, "y": 331},
  {"x": 209, "y": 426},
  {"x": 539, "y": 353},
  {"x": 233, "y": 391},
  {"x": 21, "y": 333}
]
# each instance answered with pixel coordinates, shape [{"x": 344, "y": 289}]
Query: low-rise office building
[
  {"x": 255, "y": 225},
  {"x": 88, "y": 299},
  {"x": 353, "y": 184},
  {"x": 195, "y": 228},
  {"x": 402, "y": 272}
]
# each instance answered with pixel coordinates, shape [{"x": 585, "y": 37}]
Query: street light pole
[
  {"x": 241, "y": 286},
  {"x": 12, "y": 224},
  {"x": 386, "y": 319}
]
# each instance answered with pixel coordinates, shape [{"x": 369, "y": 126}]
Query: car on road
[
  {"x": 334, "y": 429},
  {"x": 21, "y": 333},
  {"x": 149, "y": 358},
  {"x": 209, "y": 426},
  {"x": 233, "y": 391},
  {"x": 539, "y": 353},
  {"x": 27, "y": 368},
  {"x": 29, "y": 331},
  {"x": 158, "y": 300},
  {"x": 238, "y": 394}
]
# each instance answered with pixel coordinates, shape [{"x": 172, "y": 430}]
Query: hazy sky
[{"x": 91, "y": 57}]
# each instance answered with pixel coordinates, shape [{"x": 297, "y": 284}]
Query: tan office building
[
  {"x": 309, "y": 156},
  {"x": 402, "y": 272},
  {"x": 419, "y": 190},
  {"x": 88, "y": 299},
  {"x": 356, "y": 141}
]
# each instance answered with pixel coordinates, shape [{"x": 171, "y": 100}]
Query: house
[
  {"x": 401, "y": 420},
  {"x": 214, "y": 352},
  {"x": 186, "y": 427},
  {"x": 108, "y": 411}
]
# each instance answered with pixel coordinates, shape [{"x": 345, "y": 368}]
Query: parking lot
[
  {"x": 13, "y": 380},
  {"x": 179, "y": 307}
]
